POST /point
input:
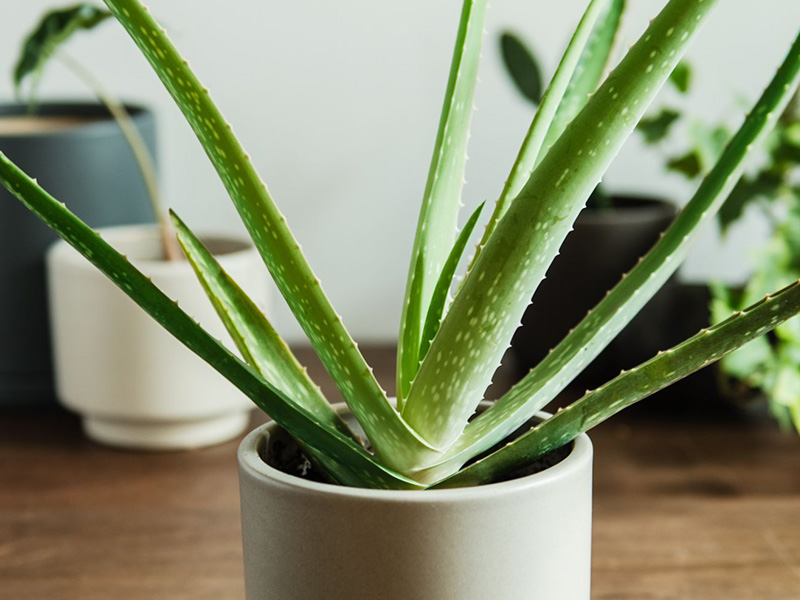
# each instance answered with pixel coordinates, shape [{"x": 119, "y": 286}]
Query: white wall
[{"x": 338, "y": 102}]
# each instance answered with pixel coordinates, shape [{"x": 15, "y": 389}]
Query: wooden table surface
[{"x": 688, "y": 505}]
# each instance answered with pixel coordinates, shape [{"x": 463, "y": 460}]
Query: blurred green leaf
[
  {"x": 687, "y": 164},
  {"x": 655, "y": 129},
  {"x": 764, "y": 185},
  {"x": 55, "y": 28},
  {"x": 681, "y": 77},
  {"x": 521, "y": 66}
]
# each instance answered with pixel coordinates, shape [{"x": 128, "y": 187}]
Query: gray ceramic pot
[
  {"x": 88, "y": 165},
  {"x": 529, "y": 538}
]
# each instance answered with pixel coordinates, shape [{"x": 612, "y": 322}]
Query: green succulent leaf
[
  {"x": 625, "y": 300},
  {"x": 391, "y": 438},
  {"x": 262, "y": 347},
  {"x": 530, "y": 153},
  {"x": 590, "y": 70},
  {"x": 438, "y": 219},
  {"x": 254, "y": 336},
  {"x": 296, "y": 420},
  {"x": 522, "y": 66},
  {"x": 655, "y": 129},
  {"x": 484, "y": 315},
  {"x": 442, "y": 291},
  {"x": 54, "y": 29},
  {"x": 631, "y": 386}
]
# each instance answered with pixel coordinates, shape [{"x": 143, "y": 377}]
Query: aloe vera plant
[{"x": 450, "y": 348}]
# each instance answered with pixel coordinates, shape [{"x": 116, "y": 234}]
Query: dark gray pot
[
  {"x": 89, "y": 167},
  {"x": 604, "y": 245}
]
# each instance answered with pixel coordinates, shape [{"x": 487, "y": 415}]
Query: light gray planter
[
  {"x": 525, "y": 539},
  {"x": 133, "y": 383}
]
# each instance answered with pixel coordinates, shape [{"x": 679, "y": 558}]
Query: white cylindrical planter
[
  {"x": 525, "y": 539},
  {"x": 133, "y": 383}
]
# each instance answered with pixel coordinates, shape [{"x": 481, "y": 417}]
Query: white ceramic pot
[
  {"x": 133, "y": 383},
  {"x": 525, "y": 539}
]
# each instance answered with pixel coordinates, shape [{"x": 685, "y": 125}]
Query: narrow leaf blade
[
  {"x": 498, "y": 288},
  {"x": 531, "y": 150},
  {"x": 442, "y": 290},
  {"x": 297, "y": 421},
  {"x": 391, "y": 438},
  {"x": 253, "y": 334},
  {"x": 438, "y": 219},
  {"x": 589, "y": 71},
  {"x": 628, "y": 388},
  {"x": 625, "y": 300}
]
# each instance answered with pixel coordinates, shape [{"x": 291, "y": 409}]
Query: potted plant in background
[
  {"x": 117, "y": 375},
  {"x": 439, "y": 504},
  {"x": 768, "y": 365},
  {"x": 624, "y": 225},
  {"x": 79, "y": 152}
]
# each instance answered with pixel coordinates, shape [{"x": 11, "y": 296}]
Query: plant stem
[{"x": 139, "y": 149}]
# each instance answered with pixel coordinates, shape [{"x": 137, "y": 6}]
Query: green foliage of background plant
[
  {"x": 429, "y": 437},
  {"x": 55, "y": 28},
  {"x": 767, "y": 364}
]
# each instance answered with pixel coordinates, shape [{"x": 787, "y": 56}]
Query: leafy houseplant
[
  {"x": 447, "y": 351},
  {"x": 42, "y": 45},
  {"x": 770, "y": 363},
  {"x": 100, "y": 340},
  {"x": 77, "y": 150}
]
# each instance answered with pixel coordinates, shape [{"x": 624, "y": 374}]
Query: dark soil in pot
[
  {"x": 282, "y": 452},
  {"x": 605, "y": 244},
  {"x": 78, "y": 154}
]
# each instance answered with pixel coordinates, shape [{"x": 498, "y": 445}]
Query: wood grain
[{"x": 689, "y": 504}]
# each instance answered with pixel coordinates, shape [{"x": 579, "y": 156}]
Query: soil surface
[{"x": 283, "y": 453}]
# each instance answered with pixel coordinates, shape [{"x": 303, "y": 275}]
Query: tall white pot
[
  {"x": 133, "y": 383},
  {"x": 525, "y": 539}
]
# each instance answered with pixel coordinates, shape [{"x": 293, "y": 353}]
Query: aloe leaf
[
  {"x": 254, "y": 336},
  {"x": 438, "y": 219},
  {"x": 530, "y": 151},
  {"x": 262, "y": 347},
  {"x": 608, "y": 318},
  {"x": 391, "y": 438},
  {"x": 484, "y": 315},
  {"x": 589, "y": 71},
  {"x": 442, "y": 290},
  {"x": 296, "y": 420},
  {"x": 631, "y": 386},
  {"x": 55, "y": 28}
]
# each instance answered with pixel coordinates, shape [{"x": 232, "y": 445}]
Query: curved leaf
[
  {"x": 631, "y": 386},
  {"x": 521, "y": 66},
  {"x": 55, "y": 28},
  {"x": 297, "y": 421}
]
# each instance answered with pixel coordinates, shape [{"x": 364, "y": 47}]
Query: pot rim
[
  {"x": 63, "y": 253},
  {"x": 638, "y": 208},
  {"x": 104, "y": 126},
  {"x": 250, "y": 460}
]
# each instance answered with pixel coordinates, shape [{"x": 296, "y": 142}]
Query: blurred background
[{"x": 338, "y": 104}]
